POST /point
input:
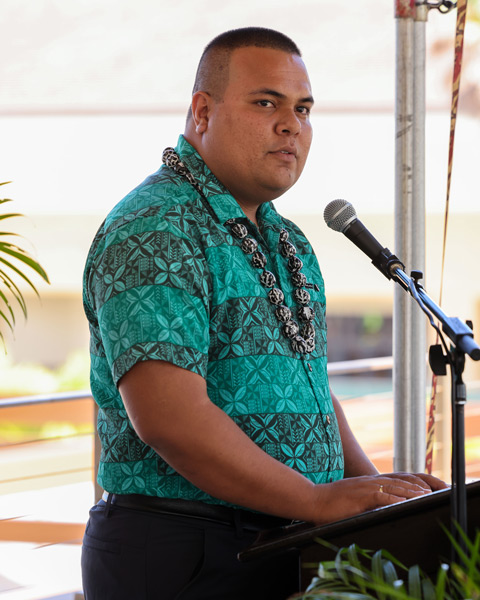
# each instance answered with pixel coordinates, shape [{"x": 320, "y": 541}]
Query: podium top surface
[{"x": 432, "y": 507}]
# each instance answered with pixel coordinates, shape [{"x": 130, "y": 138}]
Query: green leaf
[
  {"x": 10, "y": 321},
  {"x": 414, "y": 582},
  {"x": 441, "y": 583},
  {"x": 340, "y": 568},
  {"x": 19, "y": 273},
  {"x": 353, "y": 556},
  {"x": 13, "y": 259},
  {"x": 14, "y": 290},
  {"x": 357, "y": 572},
  {"x": 7, "y": 320},
  {"x": 384, "y": 577},
  {"x": 389, "y": 572},
  {"x": 23, "y": 257},
  {"x": 428, "y": 591},
  {"x": 9, "y": 215}
]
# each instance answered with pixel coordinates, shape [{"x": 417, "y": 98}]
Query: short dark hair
[
  {"x": 212, "y": 71},
  {"x": 260, "y": 37}
]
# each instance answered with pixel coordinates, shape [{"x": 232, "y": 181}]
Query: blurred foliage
[
  {"x": 373, "y": 323},
  {"x": 21, "y": 432},
  {"x": 25, "y": 379},
  {"x": 473, "y": 10},
  {"x": 33, "y": 379},
  {"x": 13, "y": 260},
  {"x": 358, "y": 574}
]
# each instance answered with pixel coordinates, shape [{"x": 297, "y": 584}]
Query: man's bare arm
[
  {"x": 357, "y": 462},
  {"x": 171, "y": 412}
]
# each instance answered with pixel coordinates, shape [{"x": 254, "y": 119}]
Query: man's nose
[{"x": 289, "y": 123}]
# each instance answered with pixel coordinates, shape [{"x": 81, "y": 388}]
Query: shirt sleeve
[{"x": 150, "y": 291}]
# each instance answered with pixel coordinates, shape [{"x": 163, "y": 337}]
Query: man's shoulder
[
  {"x": 162, "y": 202},
  {"x": 158, "y": 195}
]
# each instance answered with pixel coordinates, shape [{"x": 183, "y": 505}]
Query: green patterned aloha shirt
[{"x": 166, "y": 280}]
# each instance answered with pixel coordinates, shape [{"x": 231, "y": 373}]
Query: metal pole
[{"x": 409, "y": 326}]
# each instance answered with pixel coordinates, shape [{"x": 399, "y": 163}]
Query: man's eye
[
  {"x": 305, "y": 110},
  {"x": 265, "y": 103}
]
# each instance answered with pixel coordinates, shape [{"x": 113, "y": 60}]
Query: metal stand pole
[
  {"x": 455, "y": 358},
  {"x": 459, "y": 493},
  {"x": 409, "y": 335}
]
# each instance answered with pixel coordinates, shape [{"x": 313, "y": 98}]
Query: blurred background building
[{"x": 91, "y": 92}]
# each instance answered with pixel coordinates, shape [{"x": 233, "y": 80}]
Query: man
[{"x": 207, "y": 317}]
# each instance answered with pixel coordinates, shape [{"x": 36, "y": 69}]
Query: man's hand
[
  {"x": 352, "y": 496},
  {"x": 429, "y": 482}
]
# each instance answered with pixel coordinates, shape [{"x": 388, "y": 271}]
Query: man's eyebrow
[{"x": 276, "y": 94}]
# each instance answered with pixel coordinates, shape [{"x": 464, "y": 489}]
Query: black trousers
[{"x": 136, "y": 555}]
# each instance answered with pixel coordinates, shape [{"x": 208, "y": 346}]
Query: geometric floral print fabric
[{"x": 166, "y": 280}]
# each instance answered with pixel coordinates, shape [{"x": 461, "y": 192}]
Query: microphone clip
[{"x": 387, "y": 263}]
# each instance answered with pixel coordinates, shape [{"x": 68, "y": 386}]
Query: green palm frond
[
  {"x": 13, "y": 261},
  {"x": 358, "y": 574},
  {"x": 466, "y": 569}
]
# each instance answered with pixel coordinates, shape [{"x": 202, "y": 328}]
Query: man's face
[{"x": 258, "y": 135}]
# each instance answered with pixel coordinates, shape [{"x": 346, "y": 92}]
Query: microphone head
[{"x": 339, "y": 214}]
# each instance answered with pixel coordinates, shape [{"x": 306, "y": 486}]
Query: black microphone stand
[
  {"x": 340, "y": 216},
  {"x": 461, "y": 336}
]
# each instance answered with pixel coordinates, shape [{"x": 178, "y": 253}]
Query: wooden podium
[{"x": 410, "y": 530}]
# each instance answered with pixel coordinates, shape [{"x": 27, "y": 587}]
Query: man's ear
[{"x": 201, "y": 105}]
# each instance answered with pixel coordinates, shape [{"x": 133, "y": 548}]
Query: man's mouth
[
  {"x": 290, "y": 150},
  {"x": 285, "y": 154}
]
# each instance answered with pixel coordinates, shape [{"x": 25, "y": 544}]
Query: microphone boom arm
[{"x": 456, "y": 330}]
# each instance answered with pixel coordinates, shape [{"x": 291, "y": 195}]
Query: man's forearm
[
  {"x": 356, "y": 461},
  {"x": 171, "y": 412}
]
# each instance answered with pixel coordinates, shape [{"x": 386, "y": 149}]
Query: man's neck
[{"x": 250, "y": 212}]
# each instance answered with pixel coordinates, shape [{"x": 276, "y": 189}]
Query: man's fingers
[
  {"x": 433, "y": 482},
  {"x": 401, "y": 491},
  {"x": 420, "y": 480},
  {"x": 386, "y": 498}
]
